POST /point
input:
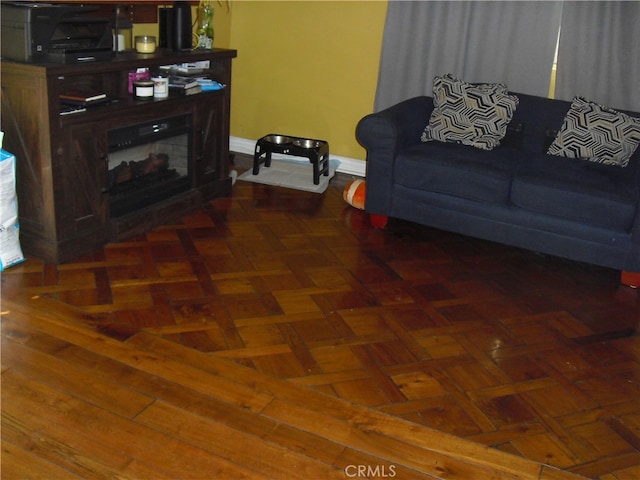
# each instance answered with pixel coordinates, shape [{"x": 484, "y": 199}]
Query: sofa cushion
[
  {"x": 470, "y": 114},
  {"x": 580, "y": 191},
  {"x": 458, "y": 170},
  {"x": 596, "y": 133}
]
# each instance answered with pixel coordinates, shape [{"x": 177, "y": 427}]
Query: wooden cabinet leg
[
  {"x": 631, "y": 279},
  {"x": 378, "y": 221}
]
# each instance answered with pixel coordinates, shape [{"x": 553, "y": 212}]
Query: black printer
[{"x": 58, "y": 33}]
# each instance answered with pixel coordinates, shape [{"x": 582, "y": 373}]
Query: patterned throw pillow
[
  {"x": 467, "y": 113},
  {"x": 596, "y": 133}
]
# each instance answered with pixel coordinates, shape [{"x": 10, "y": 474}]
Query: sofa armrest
[
  {"x": 397, "y": 126},
  {"x": 383, "y": 135},
  {"x": 633, "y": 263}
]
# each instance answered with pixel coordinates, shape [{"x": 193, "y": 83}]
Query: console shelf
[{"x": 62, "y": 171}]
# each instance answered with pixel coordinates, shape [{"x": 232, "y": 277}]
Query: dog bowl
[
  {"x": 306, "y": 143},
  {"x": 278, "y": 139}
]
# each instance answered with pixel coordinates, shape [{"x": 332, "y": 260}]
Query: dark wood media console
[{"x": 62, "y": 160}]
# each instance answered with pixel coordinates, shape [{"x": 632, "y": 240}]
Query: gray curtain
[
  {"x": 599, "y": 53},
  {"x": 477, "y": 41}
]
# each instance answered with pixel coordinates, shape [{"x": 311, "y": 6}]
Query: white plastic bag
[{"x": 10, "y": 251}]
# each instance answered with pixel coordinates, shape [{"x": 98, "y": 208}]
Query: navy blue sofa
[{"x": 515, "y": 194}]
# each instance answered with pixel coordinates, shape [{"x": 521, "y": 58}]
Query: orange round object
[{"x": 354, "y": 193}]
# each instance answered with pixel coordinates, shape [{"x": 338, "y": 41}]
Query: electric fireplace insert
[{"x": 148, "y": 163}]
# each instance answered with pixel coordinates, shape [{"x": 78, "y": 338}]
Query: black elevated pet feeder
[{"x": 317, "y": 151}]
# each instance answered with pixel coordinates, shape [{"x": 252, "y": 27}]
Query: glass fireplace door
[{"x": 148, "y": 163}]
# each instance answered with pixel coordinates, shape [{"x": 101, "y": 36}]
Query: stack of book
[
  {"x": 74, "y": 101},
  {"x": 182, "y": 85}
]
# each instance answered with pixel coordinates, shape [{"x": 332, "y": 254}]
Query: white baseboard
[{"x": 348, "y": 166}]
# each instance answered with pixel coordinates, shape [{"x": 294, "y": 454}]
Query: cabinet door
[
  {"x": 82, "y": 198},
  {"x": 211, "y": 141}
]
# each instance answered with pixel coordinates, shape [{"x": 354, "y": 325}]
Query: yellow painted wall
[{"x": 304, "y": 68}]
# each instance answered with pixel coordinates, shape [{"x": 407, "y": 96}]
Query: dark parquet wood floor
[{"x": 535, "y": 356}]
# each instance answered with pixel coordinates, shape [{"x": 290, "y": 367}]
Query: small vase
[{"x": 205, "y": 30}]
